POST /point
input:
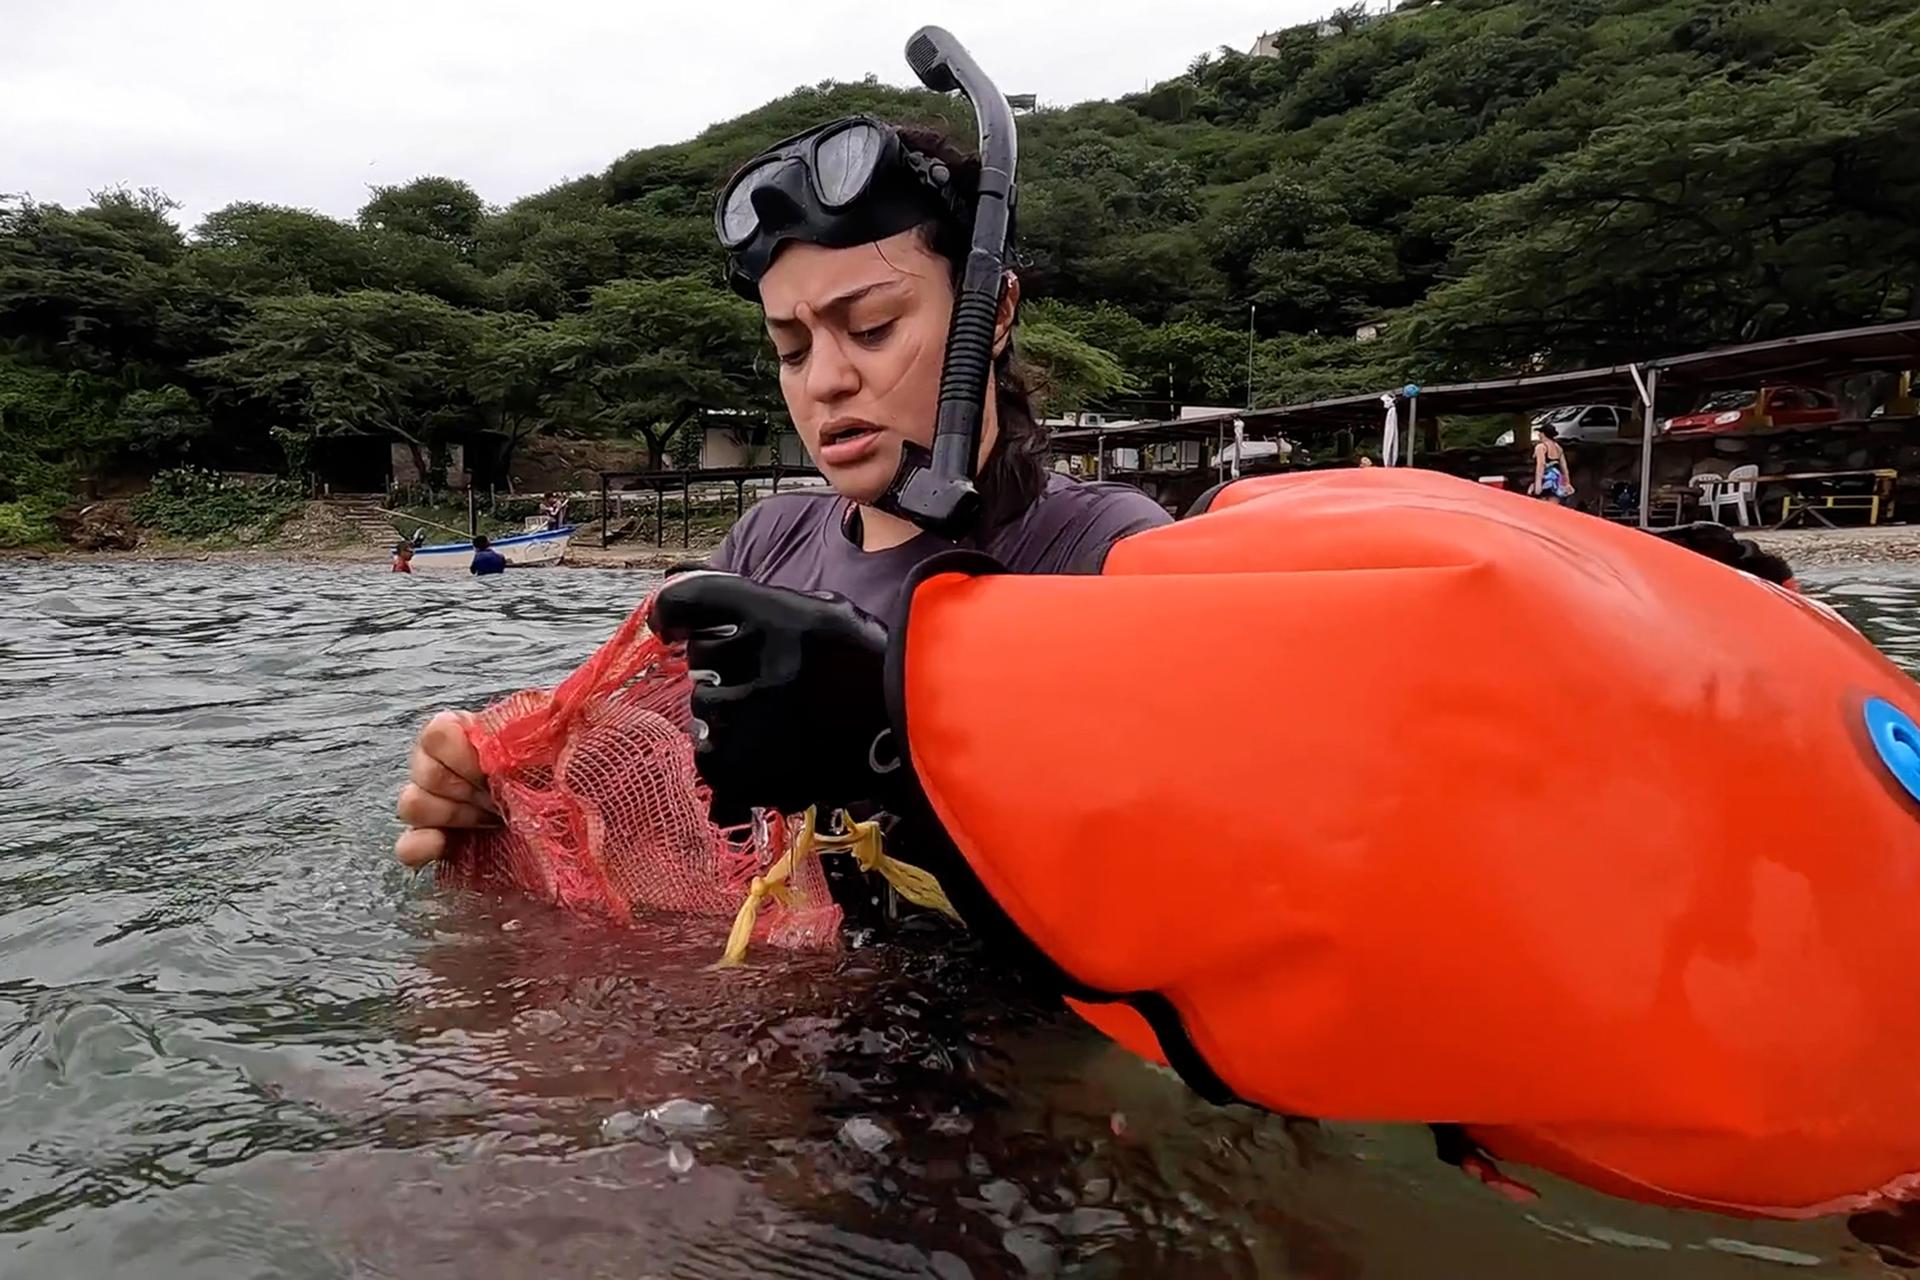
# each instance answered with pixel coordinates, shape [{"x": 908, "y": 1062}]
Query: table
[{"x": 1876, "y": 503}]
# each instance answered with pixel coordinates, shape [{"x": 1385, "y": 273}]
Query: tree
[
  {"x": 647, "y": 356},
  {"x": 252, "y": 249},
  {"x": 1514, "y": 183},
  {"x": 165, "y": 424},
  {"x": 1067, "y": 374},
  {"x": 1740, "y": 211},
  {"x": 369, "y": 362},
  {"x": 433, "y": 208},
  {"x": 51, "y": 421},
  {"x": 517, "y": 379},
  {"x": 95, "y": 289}
]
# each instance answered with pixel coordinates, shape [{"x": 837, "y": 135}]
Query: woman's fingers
[
  {"x": 435, "y": 778},
  {"x": 419, "y": 807},
  {"x": 445, "y": 764},
  {"x": 445, "y": 740},
  {"x": 446, "y": 790},
  {"x": 418, "y": 846}
]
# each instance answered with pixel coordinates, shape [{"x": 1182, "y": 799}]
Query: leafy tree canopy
[{"x": 1546, "y": 183}]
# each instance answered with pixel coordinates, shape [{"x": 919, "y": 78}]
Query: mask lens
[
  {"x": 844, "y": 161},
  {"x": 737, "y": 218}
]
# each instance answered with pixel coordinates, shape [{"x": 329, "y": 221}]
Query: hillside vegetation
[{"x": 1503, "y": 183}]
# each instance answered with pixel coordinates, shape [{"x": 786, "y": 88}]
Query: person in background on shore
[
  {"x": 403, "y": 557},
  {"x": 556, "y": 511},
  {"x": 485, "y": 558},
  {"x": 1552, "y": 480}
]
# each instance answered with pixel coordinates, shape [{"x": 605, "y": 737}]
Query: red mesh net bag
[{"x": 603, "y": 812}]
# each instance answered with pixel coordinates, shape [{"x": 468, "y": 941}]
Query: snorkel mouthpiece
[{"x": 935, "y": 489}]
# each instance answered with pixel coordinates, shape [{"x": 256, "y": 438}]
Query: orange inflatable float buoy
[{"x": 1389, "y": 797}]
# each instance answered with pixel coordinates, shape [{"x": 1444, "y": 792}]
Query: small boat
[{"x": 522, "y": 550}]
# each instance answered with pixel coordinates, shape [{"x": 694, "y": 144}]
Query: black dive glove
[
  {"x": 1717, "y": 542},
  {"x": 789, "y": 692}
]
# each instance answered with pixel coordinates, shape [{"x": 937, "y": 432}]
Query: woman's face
[{"x": 861, "y": 333}]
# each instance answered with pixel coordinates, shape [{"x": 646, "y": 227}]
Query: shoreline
[
  {"x": 641, "y": 558},
  {"x": 1877, "y": 546},
  {"x": 1881, "y": 546}
]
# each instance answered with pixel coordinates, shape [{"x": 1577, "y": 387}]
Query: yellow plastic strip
[{"x": 863, "y": 841}]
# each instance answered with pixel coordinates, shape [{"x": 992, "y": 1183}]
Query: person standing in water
[
  {"x": 403, "y": 557},
  {"x": 858, "y": 298},
  {"x": 485, "y": 559},
  {"x": 1552, "y": 480}
]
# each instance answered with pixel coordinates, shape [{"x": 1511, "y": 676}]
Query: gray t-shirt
[{"x": 801, "y": 541}]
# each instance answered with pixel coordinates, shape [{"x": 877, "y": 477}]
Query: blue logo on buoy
[{"x": 1897, "y": 738}]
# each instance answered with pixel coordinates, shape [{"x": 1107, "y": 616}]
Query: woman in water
[{"x": 857, "y": 300}]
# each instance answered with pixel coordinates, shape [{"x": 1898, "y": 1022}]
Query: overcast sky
[{"x": 308, "y": 102}]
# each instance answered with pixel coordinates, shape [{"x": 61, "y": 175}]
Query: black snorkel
[{"x": 935, "y": 489}]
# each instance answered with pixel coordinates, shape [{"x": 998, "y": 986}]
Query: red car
[{"x": 1762, "y": 407}]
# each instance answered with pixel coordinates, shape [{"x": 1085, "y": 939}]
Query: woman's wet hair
[
  {"x": 1015, "y": 472},
  {"x": 1549, "y": 431}
]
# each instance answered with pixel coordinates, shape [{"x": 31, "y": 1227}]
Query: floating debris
[
  {"x": 1764, "y": 1252},
  {"x": 1607, "y": 1235},
  {"x": 1002, "y": 1196},
  {"x": 865, "y": 1135},
  {"x": 1089, "y": 1221},
  {"x": 684, "y": 1113},
  {"x": 1033, "y": 1250},
  {"x": 621, "y": 1125},
  {"x": 948, "y": 1266}
]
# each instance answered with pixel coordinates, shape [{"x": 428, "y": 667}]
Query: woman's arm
[{"x": 1539, "y": 466}]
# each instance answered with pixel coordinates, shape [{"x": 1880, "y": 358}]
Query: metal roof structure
[{"x": 1816, "y": 355}]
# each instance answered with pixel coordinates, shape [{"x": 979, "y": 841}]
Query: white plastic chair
[{"x": 1736, "y": 489}]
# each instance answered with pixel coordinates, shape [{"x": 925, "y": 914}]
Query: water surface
[{"x": 237, "y": 1040}]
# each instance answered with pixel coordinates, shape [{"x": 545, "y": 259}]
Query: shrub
[
  {"x": 25, "y": 523},
  {"x": 191, "y": 502}
]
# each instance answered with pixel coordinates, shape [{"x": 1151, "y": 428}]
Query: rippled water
[{"x": 237, "y": 1040}]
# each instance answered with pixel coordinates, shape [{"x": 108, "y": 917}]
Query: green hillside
[{"x": 1538, "y": 183}]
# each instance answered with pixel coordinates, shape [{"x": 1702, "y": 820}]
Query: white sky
[{"x": 308, "y": 102}]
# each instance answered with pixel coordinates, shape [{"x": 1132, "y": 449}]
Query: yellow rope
[{"x": 862, "y": 840}]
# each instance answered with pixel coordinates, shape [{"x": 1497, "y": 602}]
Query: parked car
[
  {"x": 1578, "y": 422},
  {"x": 1782, "y": 406}
]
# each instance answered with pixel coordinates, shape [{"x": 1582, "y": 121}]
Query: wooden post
[
  {"x": 603, "y": 511},
  {"x": 686, "y": 510},
  {"x": 659, "y": 513}
]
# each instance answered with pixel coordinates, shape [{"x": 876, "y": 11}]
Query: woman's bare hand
[{"x": 445, "y": 791}]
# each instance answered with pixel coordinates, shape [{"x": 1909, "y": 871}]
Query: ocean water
[{"x": 236, "y": 1039}]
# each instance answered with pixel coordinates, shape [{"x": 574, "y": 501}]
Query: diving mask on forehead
[
  {"x": 852, "y": 181},
  {"x": 855, "y": 181}
]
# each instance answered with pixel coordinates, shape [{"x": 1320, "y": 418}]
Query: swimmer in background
[
  {"x": 485, "y": 559},
  {"x": 403, "y": 557}
]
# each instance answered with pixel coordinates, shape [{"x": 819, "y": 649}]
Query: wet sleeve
[{"x": 1119, "y": 513}]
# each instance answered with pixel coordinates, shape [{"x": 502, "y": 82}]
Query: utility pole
[{"x": 1251, "y": 308}]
